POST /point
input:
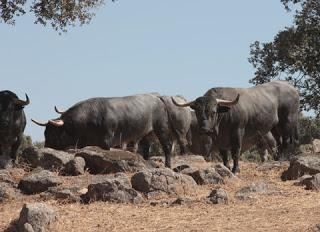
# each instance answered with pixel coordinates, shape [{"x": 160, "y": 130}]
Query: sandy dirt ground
[{"x": 283, "y": 207}]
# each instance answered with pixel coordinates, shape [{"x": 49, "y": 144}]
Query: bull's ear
[{"x": 223, "y": 109}]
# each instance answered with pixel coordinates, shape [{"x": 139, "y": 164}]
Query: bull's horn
[
  {"x": 182, "y": 105},
  {"x": 59, "y": 111},
  {"x": 22, "y": 102},
  {"x": 227, "y": 102},
  {"x": 56, "y": 122},
  {"x": 39, "y": 123}
]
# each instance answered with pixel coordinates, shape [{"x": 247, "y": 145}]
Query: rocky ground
[{"x": 96, "y": 190}]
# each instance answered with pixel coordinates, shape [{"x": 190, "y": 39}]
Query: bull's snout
[{"x": 205, "y": 127}]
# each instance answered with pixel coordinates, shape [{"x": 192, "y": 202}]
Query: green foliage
[
  {"x": 26, "y": 142},
  {"x": 60, "y": 14},
  {"x": 309, "y": 129},
  {"x": 39, "y": 144},
  {"x": 294, "y": 54},
  {"x": 251, "y": 155}
]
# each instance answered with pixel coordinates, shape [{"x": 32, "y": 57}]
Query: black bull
[
  {"x": 203, "y": 144},
  {"x": 252, "y": 113},
  {"x": 12, "y": 125},
  {"x": 109, "y": 122}
]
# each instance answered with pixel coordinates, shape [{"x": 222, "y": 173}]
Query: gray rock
[
  {"x": 47, "y": 158},
  {"x": 7, "y": 192},
  {"x": 54, "y": 160},
  {"x": 300, "y": 166},
  {"x": 105, "y": 161},
  {"x": 162, "y": 180},
  {"x": 206, "y": 176},
  {"x": 300, "y": 180},
  {"x": 114, "y": 190},
  {"x": 36, "y": 217},
  {"x": 70, "y": 194},
  {"x": 38, "y": 181},
  {"x": 75, "y": 167},
  {"x": 218, "y": 196},
  {"x": 246, "y": 193},
  {"x": 223, "y": 171},
  {"x": 312, "y": 183},
  {"x": 156, "y": 162}
]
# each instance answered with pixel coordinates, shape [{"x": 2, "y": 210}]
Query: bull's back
[{"x": 126, "y": 118}]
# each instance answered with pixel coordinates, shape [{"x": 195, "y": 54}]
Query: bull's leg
[
  {"x": 14, "y": 149},
  {"x": 235, "y": 152},
  {"x": 236, "y": 142},
  {"x": 183, "y": 143},
  {"x": 144, "y": 147},
  {"x": 277, "y": 137},
  {"x": 124, "y": 146},
  {"x": 166, "y": 144},
  {"x": 225, "y": 158},
  {"x": 207, "y": 148}
]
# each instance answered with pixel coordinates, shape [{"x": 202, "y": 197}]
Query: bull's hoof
[{"x": 235, "y": 170}]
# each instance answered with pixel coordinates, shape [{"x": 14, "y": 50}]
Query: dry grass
[{"x": 284, "y": 207}]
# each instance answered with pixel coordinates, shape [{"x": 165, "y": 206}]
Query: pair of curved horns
[
  {"x": 22, "y": 102},
  {"x": 182, "y": 105},
  {"x": 59, "y": 111},
  {"x": 220, "y": 102},
  {"x": 56, "y": 122}
]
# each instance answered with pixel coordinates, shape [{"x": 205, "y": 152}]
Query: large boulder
[
  {"x": 205, "y": 176},
  {"x": 117, "y": 189},
  {"x": 162, "y": 180},
  {"x": 38, "y": 181},
  {"x": 105, "y": 161},
  {"x": 54, "y": 160},
  {"x": 302, "y": 165},
  {"x": 36, "y": 217},
  {"x": 47, "y": 158}
]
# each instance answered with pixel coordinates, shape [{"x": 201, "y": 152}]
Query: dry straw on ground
[{"x": 283, "y": 207}]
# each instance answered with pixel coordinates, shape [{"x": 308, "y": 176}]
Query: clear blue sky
[{"x": 172, "y": 47}]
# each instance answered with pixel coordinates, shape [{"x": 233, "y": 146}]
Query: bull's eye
[{"x": 18, "y": 107}]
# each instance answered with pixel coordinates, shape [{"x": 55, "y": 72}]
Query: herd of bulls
[{"x": 228, "y": 120}]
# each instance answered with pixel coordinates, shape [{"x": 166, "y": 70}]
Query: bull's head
[
  {"x": 10, "y": 104},
  {"x": 208, "y": 109},
  {"x": 58, "y": 134}
]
